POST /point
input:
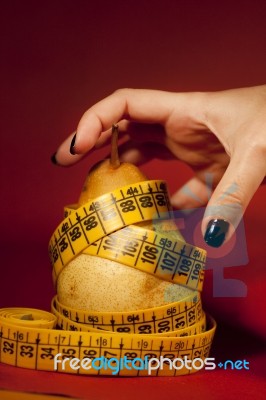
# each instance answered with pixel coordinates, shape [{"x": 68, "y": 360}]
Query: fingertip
[
  {"x": 135, "y": 153},
  {"x": 88, "y": 132},
  {"x": 133, "y": 156},
  {"x": 216, "y": 232},
  {"x": 192, "y": 195}
]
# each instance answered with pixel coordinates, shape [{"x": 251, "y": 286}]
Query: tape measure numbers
[
  {"x": 103, "y": 227},
  {"x": 169, "y": 317},
  {"x": 36, "y": 348},
  {"x": 151, "y": 252},
  {"x": 106, "y": 214},
  {"x": 85, "y": 230}
]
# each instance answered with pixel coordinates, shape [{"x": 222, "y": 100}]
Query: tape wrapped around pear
[{"x": 96, "y": 284}]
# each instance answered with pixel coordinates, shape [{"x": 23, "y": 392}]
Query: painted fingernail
[
  {"x": 72, "y": 145},
  {"x": 53, "y": 159},
  {"x": 216, "y": 232}
]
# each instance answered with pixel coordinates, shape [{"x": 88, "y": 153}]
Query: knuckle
[
  {"x": 255, "y": 150},
  {"x": 258, "y": 147},
  {"x": 122, "y": 92}
]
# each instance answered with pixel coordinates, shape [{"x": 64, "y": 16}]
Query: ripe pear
[{"x": 96, "y": 284}]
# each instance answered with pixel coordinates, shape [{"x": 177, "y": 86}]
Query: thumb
[{"x": 232, "y": 196}]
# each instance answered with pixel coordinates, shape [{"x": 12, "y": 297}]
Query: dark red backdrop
[{"x": 58, "y": 58}]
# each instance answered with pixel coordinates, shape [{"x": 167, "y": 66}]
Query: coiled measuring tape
[
  {"x": 89, "y": 229},
  {"x": 103, "y": 227}
]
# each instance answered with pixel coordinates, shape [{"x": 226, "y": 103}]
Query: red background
[{"x": 59, "y": 58}]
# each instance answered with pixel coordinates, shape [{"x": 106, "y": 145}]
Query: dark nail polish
[
  {"x": 72, "y": 145},
  {"x": 53, "y": 159},
  {"x": 216, "y": 232}
]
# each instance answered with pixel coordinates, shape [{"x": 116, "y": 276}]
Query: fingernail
[
  {"x": 53, "y": 159},
  {"x": 72, "y": 145},
  {"x": 215, "y": 232}
]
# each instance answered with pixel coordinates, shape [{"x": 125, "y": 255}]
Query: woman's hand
[{"x": 218, "y": 133}]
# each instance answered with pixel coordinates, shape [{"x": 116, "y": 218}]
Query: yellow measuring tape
[
  {"x": 103, "y": 227},
  {"x": 85, "y": 229}
]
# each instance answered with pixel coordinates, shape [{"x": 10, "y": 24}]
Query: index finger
[{"x": 139, "y": 105}]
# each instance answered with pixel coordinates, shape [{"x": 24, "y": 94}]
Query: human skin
[{"x": 220, "y": 133}]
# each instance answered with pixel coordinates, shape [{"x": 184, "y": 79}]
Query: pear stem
[{"x": 114, "y": 160}]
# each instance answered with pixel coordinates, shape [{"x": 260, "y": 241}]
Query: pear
[{"x": 96, "y": 284}]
